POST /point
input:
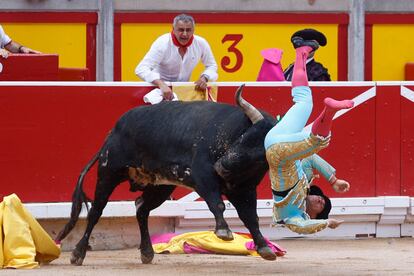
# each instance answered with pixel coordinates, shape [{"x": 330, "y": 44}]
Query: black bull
[{"x": 214, "y": 149}]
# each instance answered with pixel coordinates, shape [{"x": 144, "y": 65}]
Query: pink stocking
[
  {"x": 300, "y": 77},
  {"x": 322, "y": 125}
]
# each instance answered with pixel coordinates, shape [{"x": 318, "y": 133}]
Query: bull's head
[{"x": 245, "y": 160}]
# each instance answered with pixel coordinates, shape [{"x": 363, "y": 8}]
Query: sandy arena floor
[{"x": 304, "y": 257}]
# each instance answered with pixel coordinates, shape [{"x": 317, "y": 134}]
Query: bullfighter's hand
[
  {"x": 333, "y": 223},
  {"x": 201, "y": 84},
  {"x": 341, "y": 186},
  {"x": 4, "y": 53}
]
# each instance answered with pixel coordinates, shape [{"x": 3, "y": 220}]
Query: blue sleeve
[
  {"x": 315, "y": 162},
  {"x": 302, "y": 225}
]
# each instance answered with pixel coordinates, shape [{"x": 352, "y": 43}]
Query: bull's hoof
[
  {"x": 266, "y": 253},
  {"x": 76, "y": 258},
  {"x": 147, "y": 259},
  {"x": 224, "y": 234}
]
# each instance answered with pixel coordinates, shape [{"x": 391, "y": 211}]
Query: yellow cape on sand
[
  {"x": 209, "y": 241},
  {"x": 23, "y": 242},
  {"x": 188, "y": 93}
]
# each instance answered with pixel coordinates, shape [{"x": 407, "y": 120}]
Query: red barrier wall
[
  {"x": 407, "y": 140},
  {"x": 48, "y": 132},
  {"x": 30, "y": 67}
]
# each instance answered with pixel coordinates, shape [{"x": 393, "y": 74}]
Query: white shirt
[
  {"x": 4, "y": 38},
  {"x": 163, "y": 61}
]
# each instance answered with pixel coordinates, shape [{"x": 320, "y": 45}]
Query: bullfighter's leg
[
  {"x": 152, "y": 197},
  {"x": 290, "y": 127},
  {"x": 246, "y": 205},
  {"x": 107, "y": 181},
  {"x": 322, "y": 125}
]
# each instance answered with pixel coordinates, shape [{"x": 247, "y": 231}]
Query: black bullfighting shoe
[
  {"x": 299, "y": 42},
  {"x": 311, "y": 34}
]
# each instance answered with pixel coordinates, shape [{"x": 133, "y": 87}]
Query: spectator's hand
[
  {"x": 167, "y": 93},
  {"x": 333, "y": 223},
  {"x": 25, "y": 50},
  {"x": 201, "y": 84},
  {"x": 4, "y": 53},
  {"x": 341, "y": 186}
]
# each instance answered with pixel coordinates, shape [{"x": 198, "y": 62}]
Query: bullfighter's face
[
  {"x": 183, "y": 31},
  {"x": 314, "y": 205}
]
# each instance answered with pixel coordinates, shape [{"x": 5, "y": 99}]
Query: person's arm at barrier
[
  {"x": 15, "y": 47},
  {"x": 210, "y": 71}
]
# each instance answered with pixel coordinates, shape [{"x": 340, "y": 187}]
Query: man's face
[
  {"x": 314, "y": 205},
  {"x": 183, "y": 31}
]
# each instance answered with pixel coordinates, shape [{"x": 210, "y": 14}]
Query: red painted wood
[
  {"x": 388, "y": 140},
  {"x": 117, "y": 53},
  {"x": 368, "y": 53},
  {"x": 30, "y": 67},
  {"x": 51, "y": 132},
  {"x": 343, "y": 52},
  {"x": 409, "y": 71},
  {"x": 245, "y": 17},
  {"x": 91, "y": 50},
  {"x": 407, "y": 145},
  {"x": 391, "y": 18},
  {"x": 49, "y": 17},
  {"x": 73, "y": 74}
]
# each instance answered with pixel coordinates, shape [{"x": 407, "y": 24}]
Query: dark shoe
[
  {"x": 311, "y": 34},
  {"x": 300, "y": 42}
]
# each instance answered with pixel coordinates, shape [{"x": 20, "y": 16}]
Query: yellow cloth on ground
[
  {"x": 209, "y": 241},
  {"x": 187, "y": 92},
  {"x": 23, "y": 241}
]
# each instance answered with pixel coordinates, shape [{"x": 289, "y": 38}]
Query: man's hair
[{"x": 185, "y": 18}]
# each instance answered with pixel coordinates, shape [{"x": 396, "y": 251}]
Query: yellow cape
[
  {"x": 23, "y": 242},
  {"x": 188, "y": 93},
  {"x": 209, "y": 241}
]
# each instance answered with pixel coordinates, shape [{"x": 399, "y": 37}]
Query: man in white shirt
[
  {"x": 173, "y": 57},
  {"x": 7, "y": 45}
]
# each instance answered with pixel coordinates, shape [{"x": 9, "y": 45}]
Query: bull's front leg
[
  {"x": 245, "y": 203},
  {"x": 208, "y": 188}
]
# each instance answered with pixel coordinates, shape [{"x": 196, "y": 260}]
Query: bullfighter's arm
[
  {"x": 302, "y": 225},
  {"x": 318, "y": 163},
  {"x": 328, "y": 172}
]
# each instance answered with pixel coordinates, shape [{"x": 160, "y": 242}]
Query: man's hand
[
  {"x": 333, "y": 223},
  {"x": 167, "y": 93},
  {"x": 201, "y": 84},
  {"x": 4, "y": 53},
  {"x": 26, "y": 50},
  {"x": 341, "y": 186}
]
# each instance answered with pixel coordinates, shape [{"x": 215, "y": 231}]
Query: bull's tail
[{"x": 78, "y": 197}]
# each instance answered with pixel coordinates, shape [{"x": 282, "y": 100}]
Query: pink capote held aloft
[{"x": 271, "y": 69}]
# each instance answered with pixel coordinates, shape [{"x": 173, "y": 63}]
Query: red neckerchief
[{"x": 179, "y": 45}]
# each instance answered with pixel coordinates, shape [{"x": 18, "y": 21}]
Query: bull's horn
[{"x": 250, "y": 111}]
